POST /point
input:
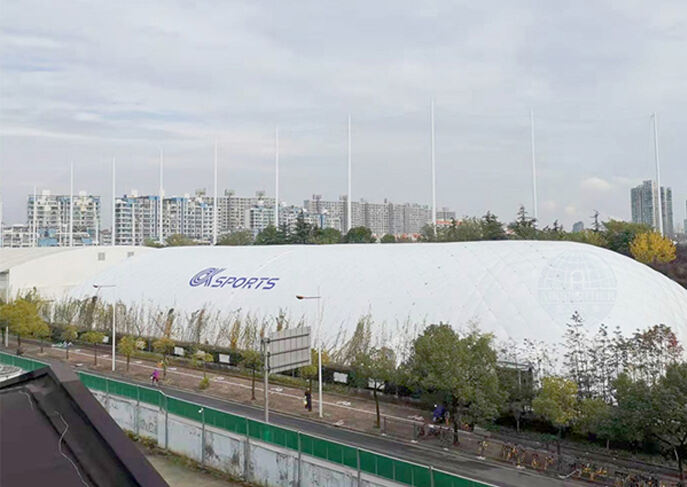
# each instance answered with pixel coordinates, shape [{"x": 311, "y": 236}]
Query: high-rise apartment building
[
  {"x": 48, "y": 216},
  {"x": 137, "y": 217},
  {"x": 644, "y": 206}
]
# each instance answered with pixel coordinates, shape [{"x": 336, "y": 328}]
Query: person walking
[
  {"x": 155, "y": 377},
  {"x": 307, "y": 401}
]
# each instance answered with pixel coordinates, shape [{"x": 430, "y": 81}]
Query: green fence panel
[
  {"x": 150, "y": 396},
  {"x": 26, "y": 364},
  {"x": 403, "y": 472},
  {"x": 225, "y": 421},
  {"x": 273, "y": 434},
  {"x": 368, "y": 462},
  {"x": 184, "y": 409},
  {"x": 350, "y": 456},
  {"x": 421, "y": 476},
  {"x": 385, "y": 467},
  {"x": 93, "y": 381},
  {"x": 122, "y": 389},
  {"x": 443, "y": 479}
]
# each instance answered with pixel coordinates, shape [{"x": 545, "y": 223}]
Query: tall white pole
[
  {"x": 658, "y": 176},
  {"x": 71, "y": 204},
  {"x": 35, "y": 210},
  {"x": 535, "y": 205},
  {"x": 214, "y": 203},
  {"x": 319, "y": 352},
  {"x": 133, "y": 222},
  {"x": 114, "y": 196},
  {"x": 160, "y": 237},
  {"x": 276, "y": 177},
  {"x": 114, "y": 324},
  {"x": 349, "y": 223},
  {"x": 434, "y": 170}
]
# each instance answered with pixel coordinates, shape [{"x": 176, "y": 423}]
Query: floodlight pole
[
  {"x": 214, "y": 203},
  {"x": 349, "y": 223},
  {"x": 276, "y": 177},
  {"x": 319, "y": 347},
  {"x": 113, "y": 233},
  {"x": 658, "y": 177},
  {"x": 434, "y": 168},
  {"x": 71, "y": 204},
  {"x": 35, "y": 209},
  {"x": 535, "y": 205},
  {"x": 114, "y": 314}
]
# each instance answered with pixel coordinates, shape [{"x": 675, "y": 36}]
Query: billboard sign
[{"x": 288, "y": 349}]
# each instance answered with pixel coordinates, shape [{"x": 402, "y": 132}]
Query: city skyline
[{"x": 180, "y": 85}]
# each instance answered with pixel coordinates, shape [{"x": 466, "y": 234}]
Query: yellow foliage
[{"x": 651, "y": 247}]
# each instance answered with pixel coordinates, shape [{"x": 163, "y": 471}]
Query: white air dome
[{"x": 515, "y": 289}]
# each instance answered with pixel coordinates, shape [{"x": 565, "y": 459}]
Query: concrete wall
[{"x": 252, "y": 460}]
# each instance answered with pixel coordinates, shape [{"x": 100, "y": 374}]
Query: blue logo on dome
[{"x": 211, "y": 277}]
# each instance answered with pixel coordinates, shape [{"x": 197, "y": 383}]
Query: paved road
[{"x": 485, "y": 471}]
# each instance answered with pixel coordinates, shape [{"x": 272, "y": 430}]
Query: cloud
[{"x": 596, "y": 184}]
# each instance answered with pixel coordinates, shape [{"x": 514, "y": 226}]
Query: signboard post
[{"x": 284, "y": 350}]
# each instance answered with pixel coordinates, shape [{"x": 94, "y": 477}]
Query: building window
[{"x": 101, "y": 255}]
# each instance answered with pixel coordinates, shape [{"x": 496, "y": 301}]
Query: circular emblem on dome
[{"x": 577, "y": 281}]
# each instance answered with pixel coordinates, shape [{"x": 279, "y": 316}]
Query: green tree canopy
[
  {"x": 492, "y": 228},
  {"x": 270, "y": 235},
  {"x": 461, "y": 367},
  {"x": 178, "y": 240},
  {"x": 22, "y": 318},
  {"x": 376, "y": 366},
  {"x": 388, "y": 238},
  {"x": 238, "y": 237},
  {"x": 359, "y": 235},
  {"x": 322, "y": 236}
]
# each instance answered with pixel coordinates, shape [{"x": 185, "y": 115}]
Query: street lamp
[
  {"x": 114, "y": 313},
  {"x": 319, "y": 347}
]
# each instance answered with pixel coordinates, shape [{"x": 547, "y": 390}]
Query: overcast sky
[{"x": 87, "y": 81}]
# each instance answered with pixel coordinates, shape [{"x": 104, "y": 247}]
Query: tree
[
  {"x": 388, "y": 238},
  {"x": 377, "y": 366},
  {"x": 517, "y": 385},
  {"x": 238, "y": 237},
  {"x": 466, "y": 230},
  {"x": 127, "y": 346},
  {"x": 69, "y": 334},
  {"x": 326, "y": 236},
  {"x": 40, "y": 330},
  {"x": 22, "y": 318},
  {"x": 302, "y": 230},
  {"x": 310, "y": 372},
  {"x": 630, "y": 422},
  {"x": 149, "y": 242},
  {"x": 202, "y": 358},
  {"x": 593, "y": 419},
  {"x": 252, "y": 360},
  {"x": 620, "y": 234},
  {"x": 462, "y": 368},
  {"x": 576, "y": 357},
  {"x": 270, "y": 235},
  {"x": 557, "y": 403},
  {"x": 669, "y": 413},
  {"x": 164, "y": 346},
  {"x": 523, "y": 227},
  {"x": 492, "y": 228},
  {"x": 179, "y": 240},
  {"x": 652, "y": 247},
  {"x": 359, "y": 235},
  {"x": 93, "y": 337}
]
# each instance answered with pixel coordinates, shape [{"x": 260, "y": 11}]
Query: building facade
[{"x": 644, "y": 206}]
